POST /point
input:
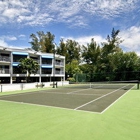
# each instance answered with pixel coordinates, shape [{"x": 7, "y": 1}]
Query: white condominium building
[{"x": 51, "y": 66}]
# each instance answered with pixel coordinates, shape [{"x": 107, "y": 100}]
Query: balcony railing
[
  {"x": 4, "y": 71},
  {"x": 7, "y": 71},
  {"x": 46, "y": 63},
  {"x": 59, "y": 72},
  {"x": 59, "y": 63},
  {"x": 5, "y": 58},
  {"x": 14, "y": 72},
  {"x": 16, "y": 58},
  {"x": 46, "y": 72}
]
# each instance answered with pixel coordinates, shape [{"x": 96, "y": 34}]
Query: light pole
[{"x": 54, "y": 65}]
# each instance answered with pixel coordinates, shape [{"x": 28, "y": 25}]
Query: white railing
[
  {"x": 5, "y": 58},
  {"x": 59, "y": 63},
  {"x": 59, "y": 72},
  {"x": 4, "y": 71}
]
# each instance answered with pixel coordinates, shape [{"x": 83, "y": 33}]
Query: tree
[
  {"x": 112, "y": 44},
  {"x": 29, "y": 66},
  {"x": 126, "y": 65},
  {"x": 73, "y": 51},
  {"x": 61, "y": 49},
  {"x": 109, "y": 49},
  {"x": 91, "y": 53},
  {"x": 35, "y": 42},
  {"x": 87, "y": 69},
  {"x": 72, "y": 69},
  {"x": 42, "y": 42},
  {"x": 101, "y": 62}
]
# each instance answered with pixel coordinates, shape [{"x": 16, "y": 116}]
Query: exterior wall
[
  {"x": 25, "y": 86},
  {"x": 52, "y": 66}
]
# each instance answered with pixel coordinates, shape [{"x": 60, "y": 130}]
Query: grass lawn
[{"x": 30, "y": 122}]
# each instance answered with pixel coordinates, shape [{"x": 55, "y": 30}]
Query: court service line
[
  {"x": 98, "y": 98},
  {"x": 17, "y": 94},
  {"x": 78, "y": 91},
  {"x": 27, "y": 93}
]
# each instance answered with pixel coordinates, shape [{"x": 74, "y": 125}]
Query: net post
[
  {"x": 56, "y": 85},
  {"x": 1, "y": 88},
  {"x": 138, "y": 84},
  {"x": 90, "y": 85}
]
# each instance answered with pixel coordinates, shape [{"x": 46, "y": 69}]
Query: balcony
[
  {"x": 5, "y": 58},
  {"x": 59, "y": 72},
  {"x": 46, "y": 71},
  {"x": 47, "y": 64},
  {"x": 4, "y": 71},
  {"x": 16, "y": 58},
  {"x": 59, "y": 63}
]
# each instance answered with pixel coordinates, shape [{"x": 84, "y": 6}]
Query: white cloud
[
  {"x": 22, "y": 37},
  {"x": 13, "y": 8},
  {"x": 3, "y": 43},
  {"x": 42, "y": 12},
  {"x": 11, "y": 13},
  {"x": 109, "y": 8},
  {"x": 4, "y": 39},
  {"x": 8, "y": 38},
  {"x": 131, "y": 38},
  {"x": 84, "y": 40}
]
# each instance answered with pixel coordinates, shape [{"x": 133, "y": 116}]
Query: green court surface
[
  {"x": 76, "y": 97},
  {"x": 33, "y": 121}
]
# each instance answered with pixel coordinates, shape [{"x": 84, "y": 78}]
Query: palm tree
[{"x": 29, "y": 66}]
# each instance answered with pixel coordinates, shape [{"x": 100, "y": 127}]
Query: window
[
  {"x": 16, "y": 58},
  {"x": 47, "y": 61}
]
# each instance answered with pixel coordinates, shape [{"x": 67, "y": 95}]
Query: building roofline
[{"x": 28, "y": 50}]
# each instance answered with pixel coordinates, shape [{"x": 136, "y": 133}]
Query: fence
[{"x": 108, "y": 76}]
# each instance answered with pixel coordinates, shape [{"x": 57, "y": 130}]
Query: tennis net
[{"x": 125, "y": 85}]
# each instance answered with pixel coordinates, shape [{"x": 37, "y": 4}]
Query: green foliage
[
  {"x": 99, "y": 62},
  {"x": 29, "y": 66},
  {"x": 81, "y": 77},
  {"x": 42, "y": 42},
  {"x": 73, "y": 49},
  {"x": 70, "y": 49},
  {"x": 71, "y": 79},
  {"x": 109, "y": 62},
  {"x": 91, "y": 53},
  {"x": 62, "y": 50},
  {"x": 73, "y": 68}
]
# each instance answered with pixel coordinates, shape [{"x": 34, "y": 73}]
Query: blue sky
[{"x": 79, "y": 20}]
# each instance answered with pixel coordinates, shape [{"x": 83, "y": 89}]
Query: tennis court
[{"x": 85, "y": 97}]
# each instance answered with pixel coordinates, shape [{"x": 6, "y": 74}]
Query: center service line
[{"x": 98, "y": 98}]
